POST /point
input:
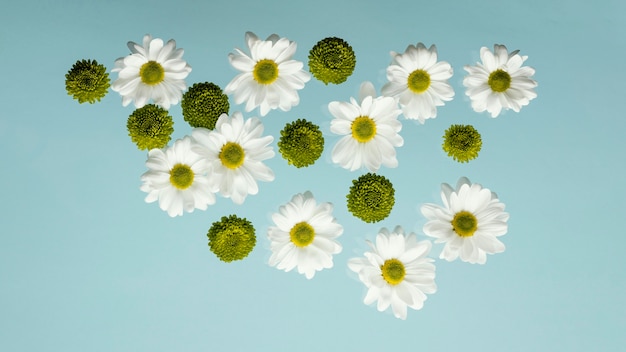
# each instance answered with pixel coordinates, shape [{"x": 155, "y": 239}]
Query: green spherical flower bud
[
  {"x": 371, "y": 197},
  {"x": 232, "y": 238},
  {"x": 301, "y": 143},
  {"x": 462, "y": 142},
  {"x": 332, "y": 60},
  {"x": 87, "y": 81},
  {"x": 150, "y": 127},
  {"x": 203, "y": 104}
]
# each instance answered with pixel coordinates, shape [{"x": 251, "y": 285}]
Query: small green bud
[
  {"x": 150, "y": 127},
  {"x": 87, "y": 81},
  {"x": 371, "y": 197},
  {"x": 232, "y": 238},
  {"x": 203, "y": 104},
  {"x": 332, "y": 60},
  {"x": 462, "y": 142},
  {"x": 301, "y": 143}
]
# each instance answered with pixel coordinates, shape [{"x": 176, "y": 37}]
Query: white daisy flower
[
  {"x": 177, "y": 178},
  {"x": 396, "y": 272},
  {"x": 235, "y": 150},
  {"x": 419, "y": 81},
  {"x": 469, "y": 222},
  {"x": 153, "y": 71},
  {"x": 500, "y": 81},
  {"x": 370, "y": 128},
  {"x": 304, "y": 236},
  {"x": 269, "y": 78}
]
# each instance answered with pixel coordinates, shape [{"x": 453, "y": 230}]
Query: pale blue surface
[{"x": 86, "y": 265}]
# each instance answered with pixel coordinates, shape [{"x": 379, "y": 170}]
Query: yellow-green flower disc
[
  {"x": 371, "y": 197},
  {"x": 203, "y": 104},
  {"x": 462, "y": 142},
  {"x": 332, "y": 60},
  {"x": 150, "y": 127},
  {"x": 301, "y": 143},
  {"x": 232, "y": 238},
  {"x": 87, "y": 81}
]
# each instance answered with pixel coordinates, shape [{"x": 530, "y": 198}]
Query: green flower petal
[
  {"x": 371, "y": 197},
  {"x": 332, "y": 60},
  {"x": 150, "y": 127},
  {"x": 232, "y": 238},
  {"x": 203, "y": 104},
  {"x": 301, "y": 143},
  {"x": 462, "y": 142},
  {"x": 87, "y": 81}
]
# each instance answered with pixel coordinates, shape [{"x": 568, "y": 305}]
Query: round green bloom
[
  {"x": 462, "y": 142},
  {"x": 232, "y": 238},
  {"x": 371, "y": 197},
  {"x": 150, "y": 127},
  {"x": 301, "y": 143},
  {"x": 332, "y": 60},
  {"x": 87, "y": 81},
  {"x": 203, "y": 104}
]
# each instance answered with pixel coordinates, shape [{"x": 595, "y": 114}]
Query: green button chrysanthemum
[
  {"x": 203, "y": 104},
  {"x": 301, "y": 143},
  {"x": 150, "y": 127},
  {"x": 87, "y": 81},
  {"x": 332, "y": 60},
  {"x": 462, "y": 142},
  {"x": 371, "y": 197},
  {"x": 232, "y": 238}
]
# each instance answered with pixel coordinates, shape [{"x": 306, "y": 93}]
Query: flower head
[
  {"x": 370, "y": 129},
  {"x": 269, "y": 78},
  {"x": 469, "y": 222},
  {"x": 152, "y": 71},
  {"x": 304, "y": 236},
  {"x": 396, "y": 272},
  {"x": 500, "y": 81},
  {"x": 371, "y": 197},
  {"x": 419, "y": 81},
  {"x": 301, "y": 143},
  {"x": 332, "y": 60},
  {"x": 177, "y": 178},
  {"x": 87, "y": 81},
  {"x": 235, "y": 151},
  {"x": 150, "y": 127},
  {"x": 462, "y": 142},
  {"x": 203, "y": 103},
  {"x": 232, "y": 238}
]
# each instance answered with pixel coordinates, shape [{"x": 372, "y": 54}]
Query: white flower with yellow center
[
  {"x": 304, "y": 236},
  {"x": 153, "y": 71},
  {"x": 418, "y": 81},
  {"x": 177, "y": 178},
  {"x": 235, "y": 150},
  {"x": 500, "y": 81},
  {"x": 269, "y": 78},
  {"x": 469, "y": 222},
  {"x": 370, "y": 129},
  {"x": 396, "y": 272}
]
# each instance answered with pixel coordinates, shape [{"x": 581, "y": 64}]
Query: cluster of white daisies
[{"x": 229, "y": 159}]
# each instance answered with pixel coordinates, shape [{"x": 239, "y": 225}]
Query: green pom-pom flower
[
  {"x": 232, "y": 238},
  {"x": 203, "y": 104},
  {"x": 301, "y": 143},
  {"x": 150, "y": 127},
  {"x": 87, "y": 81},
  {"x": 332, "y": 60},
  {"x": 371, "y": 197},
  {"x": 462, "y": 142}
]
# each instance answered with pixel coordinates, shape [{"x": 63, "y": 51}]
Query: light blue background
[{"x": 86, "y": 265}]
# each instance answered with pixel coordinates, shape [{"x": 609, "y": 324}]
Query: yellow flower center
[
  {"x": 181, "y": 176},
  {"x": 363, "y": 129},
  {"x": 499, "y": 81},
  {"x": 232, "y": 155},
  {"x": 393, "y": 271},
  {"x": 265, "y": 71},
  {"x": 419, "y": 81},
  {"x": 464, "y": 224},
  {"x": 151, "y": 73},
  {"x": 302, "y": 234}
]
